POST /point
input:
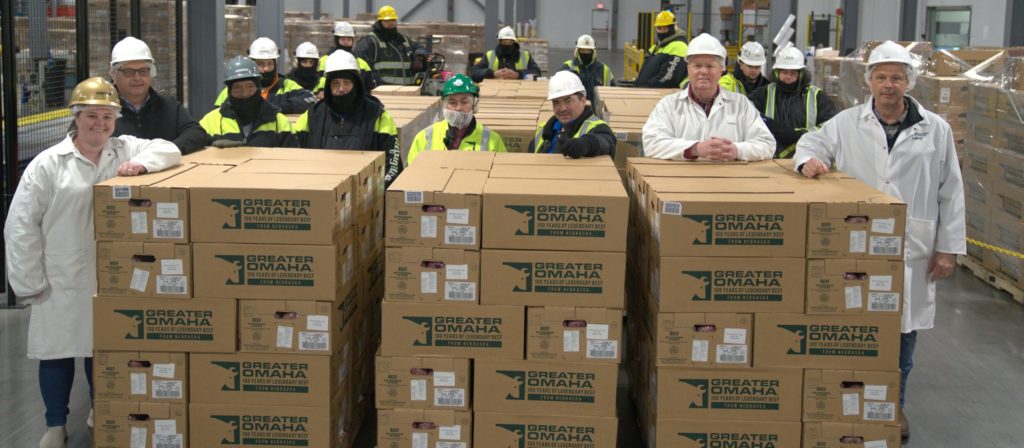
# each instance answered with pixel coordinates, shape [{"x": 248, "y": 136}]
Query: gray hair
[{"x": 117, "y": 66}]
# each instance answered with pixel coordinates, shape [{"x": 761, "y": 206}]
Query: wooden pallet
[{"x": 995, "y": 279}]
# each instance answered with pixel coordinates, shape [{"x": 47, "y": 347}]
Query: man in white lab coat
[
  {"x": 895, "y": 145},
  {"x": 703, "y": 120}
]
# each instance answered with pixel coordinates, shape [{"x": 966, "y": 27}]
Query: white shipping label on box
[
  {"x": 672, "y": 208},
  {"x": 420, "y": 440},
  {"x": 168, "y": 441},
  {"x": 460, "y": 291},
  {"x": 167, "y": 210},
  {"x": 886, "y": 245},
  {"x": 444, "y": 379},
  {"x": 731, "y": 354},
  {"x": 458, "y": 215},
  {"x": 165, "y": 426},
  {"x": 851, "y": 404},
  {"x": 456, "y": 271},
  {"x": 449, "y": 432},
  {"x": 413, "y": 197},
  {"x": 284, "y": 336},
  {"x": 163, "y": 370},
  {"x": 875, "y": 392},
  {"x": 880, "y": 283},
  {"x": 853, "y": 297},
  {"x": 944, "y": 95},
  {"x": 571, "y": 341},
  {"x": 449, "y": 397},
  {"x": 418, "y": 390},
  {"x": 172, "y": 267},
  {"x": 140, "y": 278},
  {"x": 138, "y": 381},
  {"x": 875, "y": 444},
  {"x": 140, "y": 222},
  {"x": 598, "y": 349},
  {"x": 139, "y": 438},
  {"x": 883, "y": 301},
  {"x": 884, "y": 225},
  {"x": 428, "y": 227},
  {"x": 167, "y": 389},
  {"x": 735, "y": 335},
  {"x": 449, "y": 444},
  {"x": 597, "y": 331},
  {"x": 428, "y": 283},
  {"x": 858, "y": 241},
  {"x": 314, "y": 340},
  {"x": 171, "y": 284},
  {"x": 318, "y": 322},
  {"x": 168, "y": 228},
  {"x": 122, "y": 192},
  {"x": 882, "y": 412},
  {"x": 699, "y": 351},
  {"x": 460, "y": 235}
]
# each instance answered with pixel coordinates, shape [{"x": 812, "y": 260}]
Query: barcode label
[
  {"x": 731, "y": 354},
  {"x": 672, "y": 208},
  {"x": 167, "y": 441},
  {"x": 314, "y": 340},
  {"x": 169, "y": 228},
  {"x": 885, "y": 412},
  {"x": 597, "y": 349},
  {"x": 413, "y": 197},
  {"x": 875, "y": 444},
  {"x": 140, "y": 222},
  {"x": 886, "y": 245},
  {"x": 883, "y": 301},
  {"x": 167, "y": 389},
  {"x": 465, "y": 291},
  {"x": 460, "y": 235},
  {"x": 122, "y": 192},
  {"x": 171, "y": 284},
  {"x": 449, "y": 397},
  {"x": 441, "y": 444}
]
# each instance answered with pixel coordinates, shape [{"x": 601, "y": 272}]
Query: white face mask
[{"x": 457, "y": 119}]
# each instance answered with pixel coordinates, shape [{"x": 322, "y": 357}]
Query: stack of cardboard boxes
[
  {"x": 626, "y": 110},
  {"x": 481, "y": 248},
  {"x": 515, "y": 119},
  {"x": 237, "y": 288},
  {"x": 769, "y": 303},
  {"x": 411, "y": 113}
]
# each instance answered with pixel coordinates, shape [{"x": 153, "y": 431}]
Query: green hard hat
[
  {"x": 460, "y": 84},
  {"x": 240, "y": 67}
]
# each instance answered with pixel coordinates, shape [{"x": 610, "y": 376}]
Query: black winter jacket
[{"x": 165, "y": 118}]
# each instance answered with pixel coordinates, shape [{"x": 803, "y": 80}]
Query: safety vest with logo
[
  {"x": 432, "y": 139},
  {"x": 393, "y": 71},
  {"x": 810, "y": 110},
  {"x": 524, "y": 60},
  {"x": 588, "y": 124}
]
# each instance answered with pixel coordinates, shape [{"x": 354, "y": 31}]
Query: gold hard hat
[{"x": 95, "y": 91}]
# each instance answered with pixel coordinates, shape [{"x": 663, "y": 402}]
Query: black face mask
[
  {"x": 665, "y": 35},
  {"x": 306, "y": 75},
  {"x": 348, "y": 102},
  {"x": 385, "y": 33},
  {"x": 268, "y": 77},
  {"x": 247, "y": 109},
  {"x": 586, "y": 58},
  {"x": 507, "y": 50}
]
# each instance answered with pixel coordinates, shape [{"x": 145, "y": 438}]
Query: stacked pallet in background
[
  {"x": 626, "y": 110},
  {"x": 514, "y": 109},
  {"x": 762, "y": 306},
  {"x": 825, "y": 67},
  {"x": 538, "y": 49},
  {"x": 240, "y": 31},
  {"x": 846, "y": 87},
  {"x": 238, "y": 289},
  {"x": 481, "y": 247}
]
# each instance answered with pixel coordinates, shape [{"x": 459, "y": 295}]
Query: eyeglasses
[{"x": 131, "y": 73}]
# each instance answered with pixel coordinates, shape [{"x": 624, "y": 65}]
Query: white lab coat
[
  {"x": 49, "y": 237},
  {"x": 922, "y": 170},
  {"x": 677, "y": 123}
]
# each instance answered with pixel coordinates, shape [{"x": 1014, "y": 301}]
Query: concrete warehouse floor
[{"x": 965, "y": 389}]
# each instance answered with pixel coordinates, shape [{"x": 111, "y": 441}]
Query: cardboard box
[
  {"x": 435, "y": 208},
  {"x": 422, "y": 383},
  {"x": 704, "y": 433},
  {"x": 213, "y": 425},
  {"x": 269, "y": 271},
  {"x": 557, "y": 172},
  {"x": 573, "y": 334},
  {"x": 293, "y": 326},
  {"x": 698, "y": 284},
  {"x": 130, "y": 423},
  {"x": 424, "y": 427},
  {"x": 535, "y": 159},
  {"x": 137, "y": 208},
  {"x": 367, "y": 185},
  {"x": 867, "y": 342},
  {"x": 451, "y": 330},
  {"x": 851, "y": 396},
  {"x": 136, "y": 269},
  {"x": 550, "y": 278},
  {"x": 141, "y": 324},
  {"x": 544, "y": 387},
  {"x": 500, "y": 429},
  {"x": 423, "y": 274},
  {"x": 697, "y": 339},
  {"x": 555, "y": 215},
  {"x": 850, "y": 435},
  {"x": 848, "y": 219},
  {"x": 141, "y": 376},
  {"x": 740, "y": 394},
  {"x": 854, "y": 287},
  {"x": 267, "y": 208},
  {"x": 1010, "y": 169},
  {"x": 462, "y": 160},
  {"x": 262, "y": 378}
]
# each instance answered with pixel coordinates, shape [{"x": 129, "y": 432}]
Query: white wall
[
  {"x": 434, "y": 10},
  {"x": 988, "y": 19},
  {"x": 879, "y": 20}
]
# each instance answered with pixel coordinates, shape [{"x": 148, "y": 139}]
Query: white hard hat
[
  {"x": 705, "y": 44},
  {"x": 892, "y": 52},
  {"x": 506, "y": 33},
  {"x": 307, "y": 50},
  {"x": 565, "y": 83},
  {"x": 263, "y": 48},
  {"x": 790, "y": 58},
  {"x": 340, "y": 60},
  {"x": 585, "y": 42},
  {"x": 130, "y": 49},
  {"x": 752, "y": 54},
  {"x": 344, "y": 29}
]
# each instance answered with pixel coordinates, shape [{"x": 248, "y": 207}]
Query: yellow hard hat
[
  {"x": 665, "y": 18},
  {"x": 95, "y": 91},
  {"x": 387, "y": 12}
]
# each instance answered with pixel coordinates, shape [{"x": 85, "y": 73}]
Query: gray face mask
[{"x": 457, "y": 119}]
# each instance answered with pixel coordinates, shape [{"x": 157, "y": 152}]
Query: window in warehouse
[{"x": 949, "y": 28}]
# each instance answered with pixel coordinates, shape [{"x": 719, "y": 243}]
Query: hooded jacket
[
  {"x": 790, "y": 114},
  {"x": 665, "y": 63},
  {"x": 165, "y": 118},
  {"x": 520, "y": 61},
  {"x": 286, "y": 95},
  {"x": 390, "y": 54},
  {"x": 271, "y": 128}
]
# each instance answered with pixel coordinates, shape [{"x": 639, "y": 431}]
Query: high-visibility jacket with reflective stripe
[
  {"x": 606, "y": 73},
  {"x": 431, "y": 138},
  {"x": 272, "y": 132},
  {"x": 524, "y": 59},
  {"x": 810, "y": 112},
  {"x": 394, "y": 66},
  {"x": 287, "y": 95},
  {"x": 540, "y": 145}
]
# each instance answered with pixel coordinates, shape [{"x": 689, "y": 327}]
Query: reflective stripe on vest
[
  {"x": 390, "y": 71},
  {"x": 810, "y": 106},
  {"x": 485, "y": 139},
  {"x": 588, "y": 124},
  {"x": 577, "y": 70},
  {"x": 492, "y": 60}
]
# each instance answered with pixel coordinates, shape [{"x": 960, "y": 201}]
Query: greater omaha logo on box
[
  {"x": 253, "y": 376},
  {"x": 733, "y": 286},
  {"x": 833, "y": 340},
  {"x": 267, "y": 270},
  {"x": 560, "y": 220},
  {"x": 549, "y": 386},
  {"x": 263, "y": 214},
  {"x": 167, "y": 324},
  {"x": 730, "y": 439},
  {"x": 734, "y": 229},
  {"x": 543, "y": 436},
  {"x": 450, "y": 331},
  {"x": 730, "y": 393},
  {"x": 557, "y": 278},
  {"x": 270, "y": 430}
]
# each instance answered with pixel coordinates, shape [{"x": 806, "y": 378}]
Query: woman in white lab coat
[
  {"x": 895, "y": 145},
  {"x": 51, "y": 254}
]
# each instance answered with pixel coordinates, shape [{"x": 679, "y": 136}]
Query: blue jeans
[
  {"x": 56, "y": 377},
  {"x": 907, "y": 343}
]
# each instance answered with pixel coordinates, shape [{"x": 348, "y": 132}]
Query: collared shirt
[
  {"x": 132, "y": 107},
  {"x": 892, "y": 129},
  {"x": 706, "y": 106}
]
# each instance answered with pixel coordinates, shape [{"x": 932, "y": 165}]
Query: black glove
[
  {"x": 576, "y": 148},
  {"x": 226, "y": 143}
]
